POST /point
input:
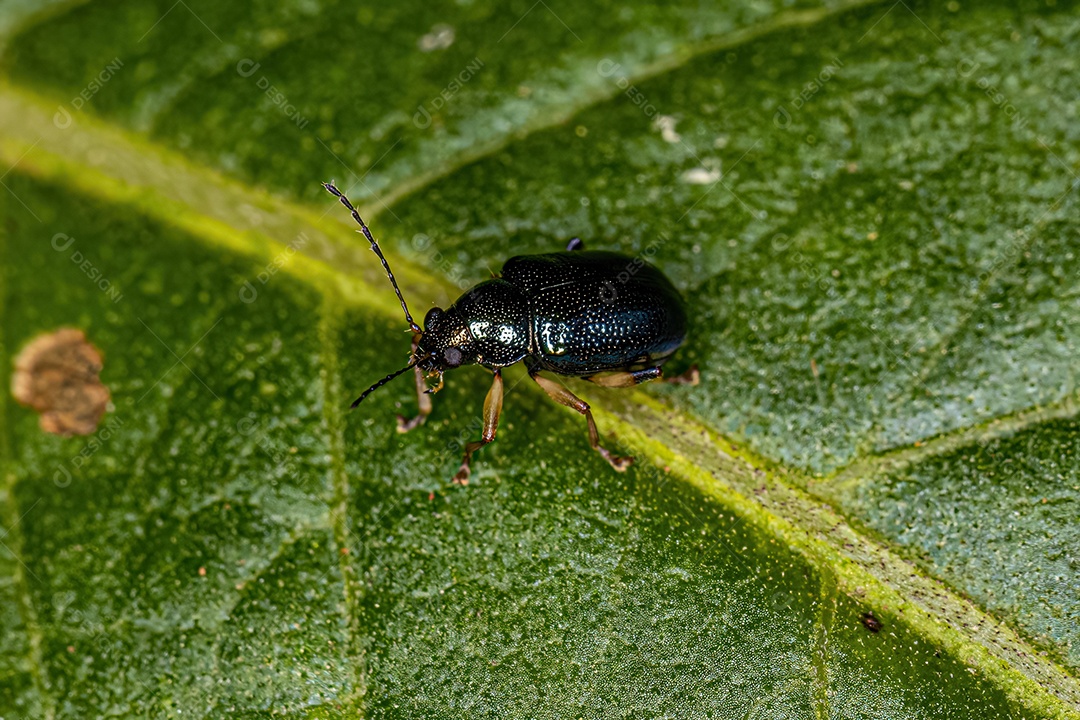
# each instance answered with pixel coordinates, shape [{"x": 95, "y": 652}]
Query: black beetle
[{"x": 602, "y": 316}]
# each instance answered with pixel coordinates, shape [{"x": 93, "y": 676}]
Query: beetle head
[{"x": 445, "y": 344}]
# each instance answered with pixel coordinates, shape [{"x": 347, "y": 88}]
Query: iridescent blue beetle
[{"x": 601, "y": 316}]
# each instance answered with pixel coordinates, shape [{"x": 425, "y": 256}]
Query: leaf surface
[{"x": 868, "y": 208}]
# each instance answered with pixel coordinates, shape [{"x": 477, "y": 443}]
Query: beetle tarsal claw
[
  {"x": 619, "y": 462},
  {"x": 461, "y": 477},
  {"x": 432, "y": 389}
]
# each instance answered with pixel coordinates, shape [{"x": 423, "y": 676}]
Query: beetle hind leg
[
  {"x": 630, "y": 378},
  {"x": 492, "y": 409},
  {"x": 563, "y": 396},
  {"x": 626, "y": 378}
]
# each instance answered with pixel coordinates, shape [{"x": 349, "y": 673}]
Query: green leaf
[{"x": 870, "y": 209}]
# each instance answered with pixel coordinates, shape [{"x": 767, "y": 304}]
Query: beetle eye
[
  {"x": 433, "y": 316},
  {"x": 452, "y": 357}
]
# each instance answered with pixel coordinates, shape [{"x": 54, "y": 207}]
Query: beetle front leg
[
  {"x": 423, "y": 399},
  {"x": 561, "y": 395},
  {"x": 492, "y": 410}
]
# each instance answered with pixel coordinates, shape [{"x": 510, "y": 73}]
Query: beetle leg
[
  {"x": 692, "y": 376},
  {"x": 563, "y": 396},
  {"x": 423, "y": 398},
  {"x": 492, "y": 409},
  {"x": 626, "y": 378},
  {"x": 574, "y": 245}
]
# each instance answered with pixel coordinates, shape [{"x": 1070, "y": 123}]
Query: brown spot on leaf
[{"x": 56, "y": 374}]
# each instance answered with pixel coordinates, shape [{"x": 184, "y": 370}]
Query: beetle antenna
[
  {"x": 332, "y": 189},
  {"x": 390, "y": 377}
]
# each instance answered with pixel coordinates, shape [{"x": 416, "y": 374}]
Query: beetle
[{"x": 597, "y": 315}]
